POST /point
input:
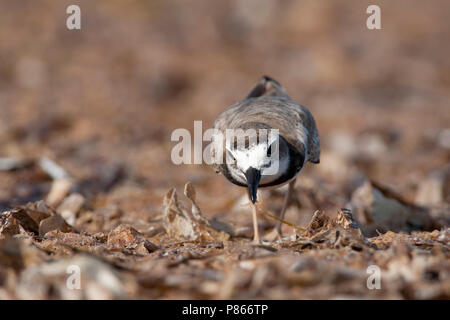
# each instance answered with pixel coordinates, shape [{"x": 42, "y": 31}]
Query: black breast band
[{"x": 295, "y": 165}]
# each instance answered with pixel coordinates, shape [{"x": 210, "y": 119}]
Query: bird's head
[{"x": 258, "y": 159}]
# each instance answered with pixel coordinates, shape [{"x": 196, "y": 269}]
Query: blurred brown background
[{"x": 102, "y": 102}]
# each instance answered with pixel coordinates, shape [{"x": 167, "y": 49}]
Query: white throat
[{"x": 271, "y": 168}]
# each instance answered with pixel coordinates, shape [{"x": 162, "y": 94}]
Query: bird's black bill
[{"x": 253, "y": 176}]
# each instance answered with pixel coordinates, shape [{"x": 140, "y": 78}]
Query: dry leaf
[
  {"x": 127, "y": 237},
  {"x": 380, "y": 209},
  {"x": 181, "y": 223},
  {"x": 55, "y": 222}
]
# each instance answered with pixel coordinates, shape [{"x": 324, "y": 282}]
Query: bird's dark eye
[{"x": 269, "y": 151}]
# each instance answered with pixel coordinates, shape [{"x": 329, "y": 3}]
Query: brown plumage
[{"x": 268, "y": 106}]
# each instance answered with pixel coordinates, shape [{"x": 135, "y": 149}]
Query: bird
[{"x": 293, "y": 137}]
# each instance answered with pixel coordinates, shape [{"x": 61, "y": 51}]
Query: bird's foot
[
  {"x": 263, "y": 243},
  {"x": 273, "y": 235},
  {"x": 257, "y": 241}
]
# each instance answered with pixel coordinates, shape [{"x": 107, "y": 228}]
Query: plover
[{"x": 290, "y": 132}]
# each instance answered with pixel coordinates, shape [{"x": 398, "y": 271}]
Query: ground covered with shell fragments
[
  {"x": 87, "y": 183},
  {"x": 181, "y": 254}
]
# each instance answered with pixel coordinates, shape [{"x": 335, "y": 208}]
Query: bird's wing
[
  {"x": 269, "y": 103},
  {"x": 313, "y": 137}
]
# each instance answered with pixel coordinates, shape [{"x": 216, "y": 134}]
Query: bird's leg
[
  {"x": 256, "y": 239},
  {"x": 287, "y": 199}
]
